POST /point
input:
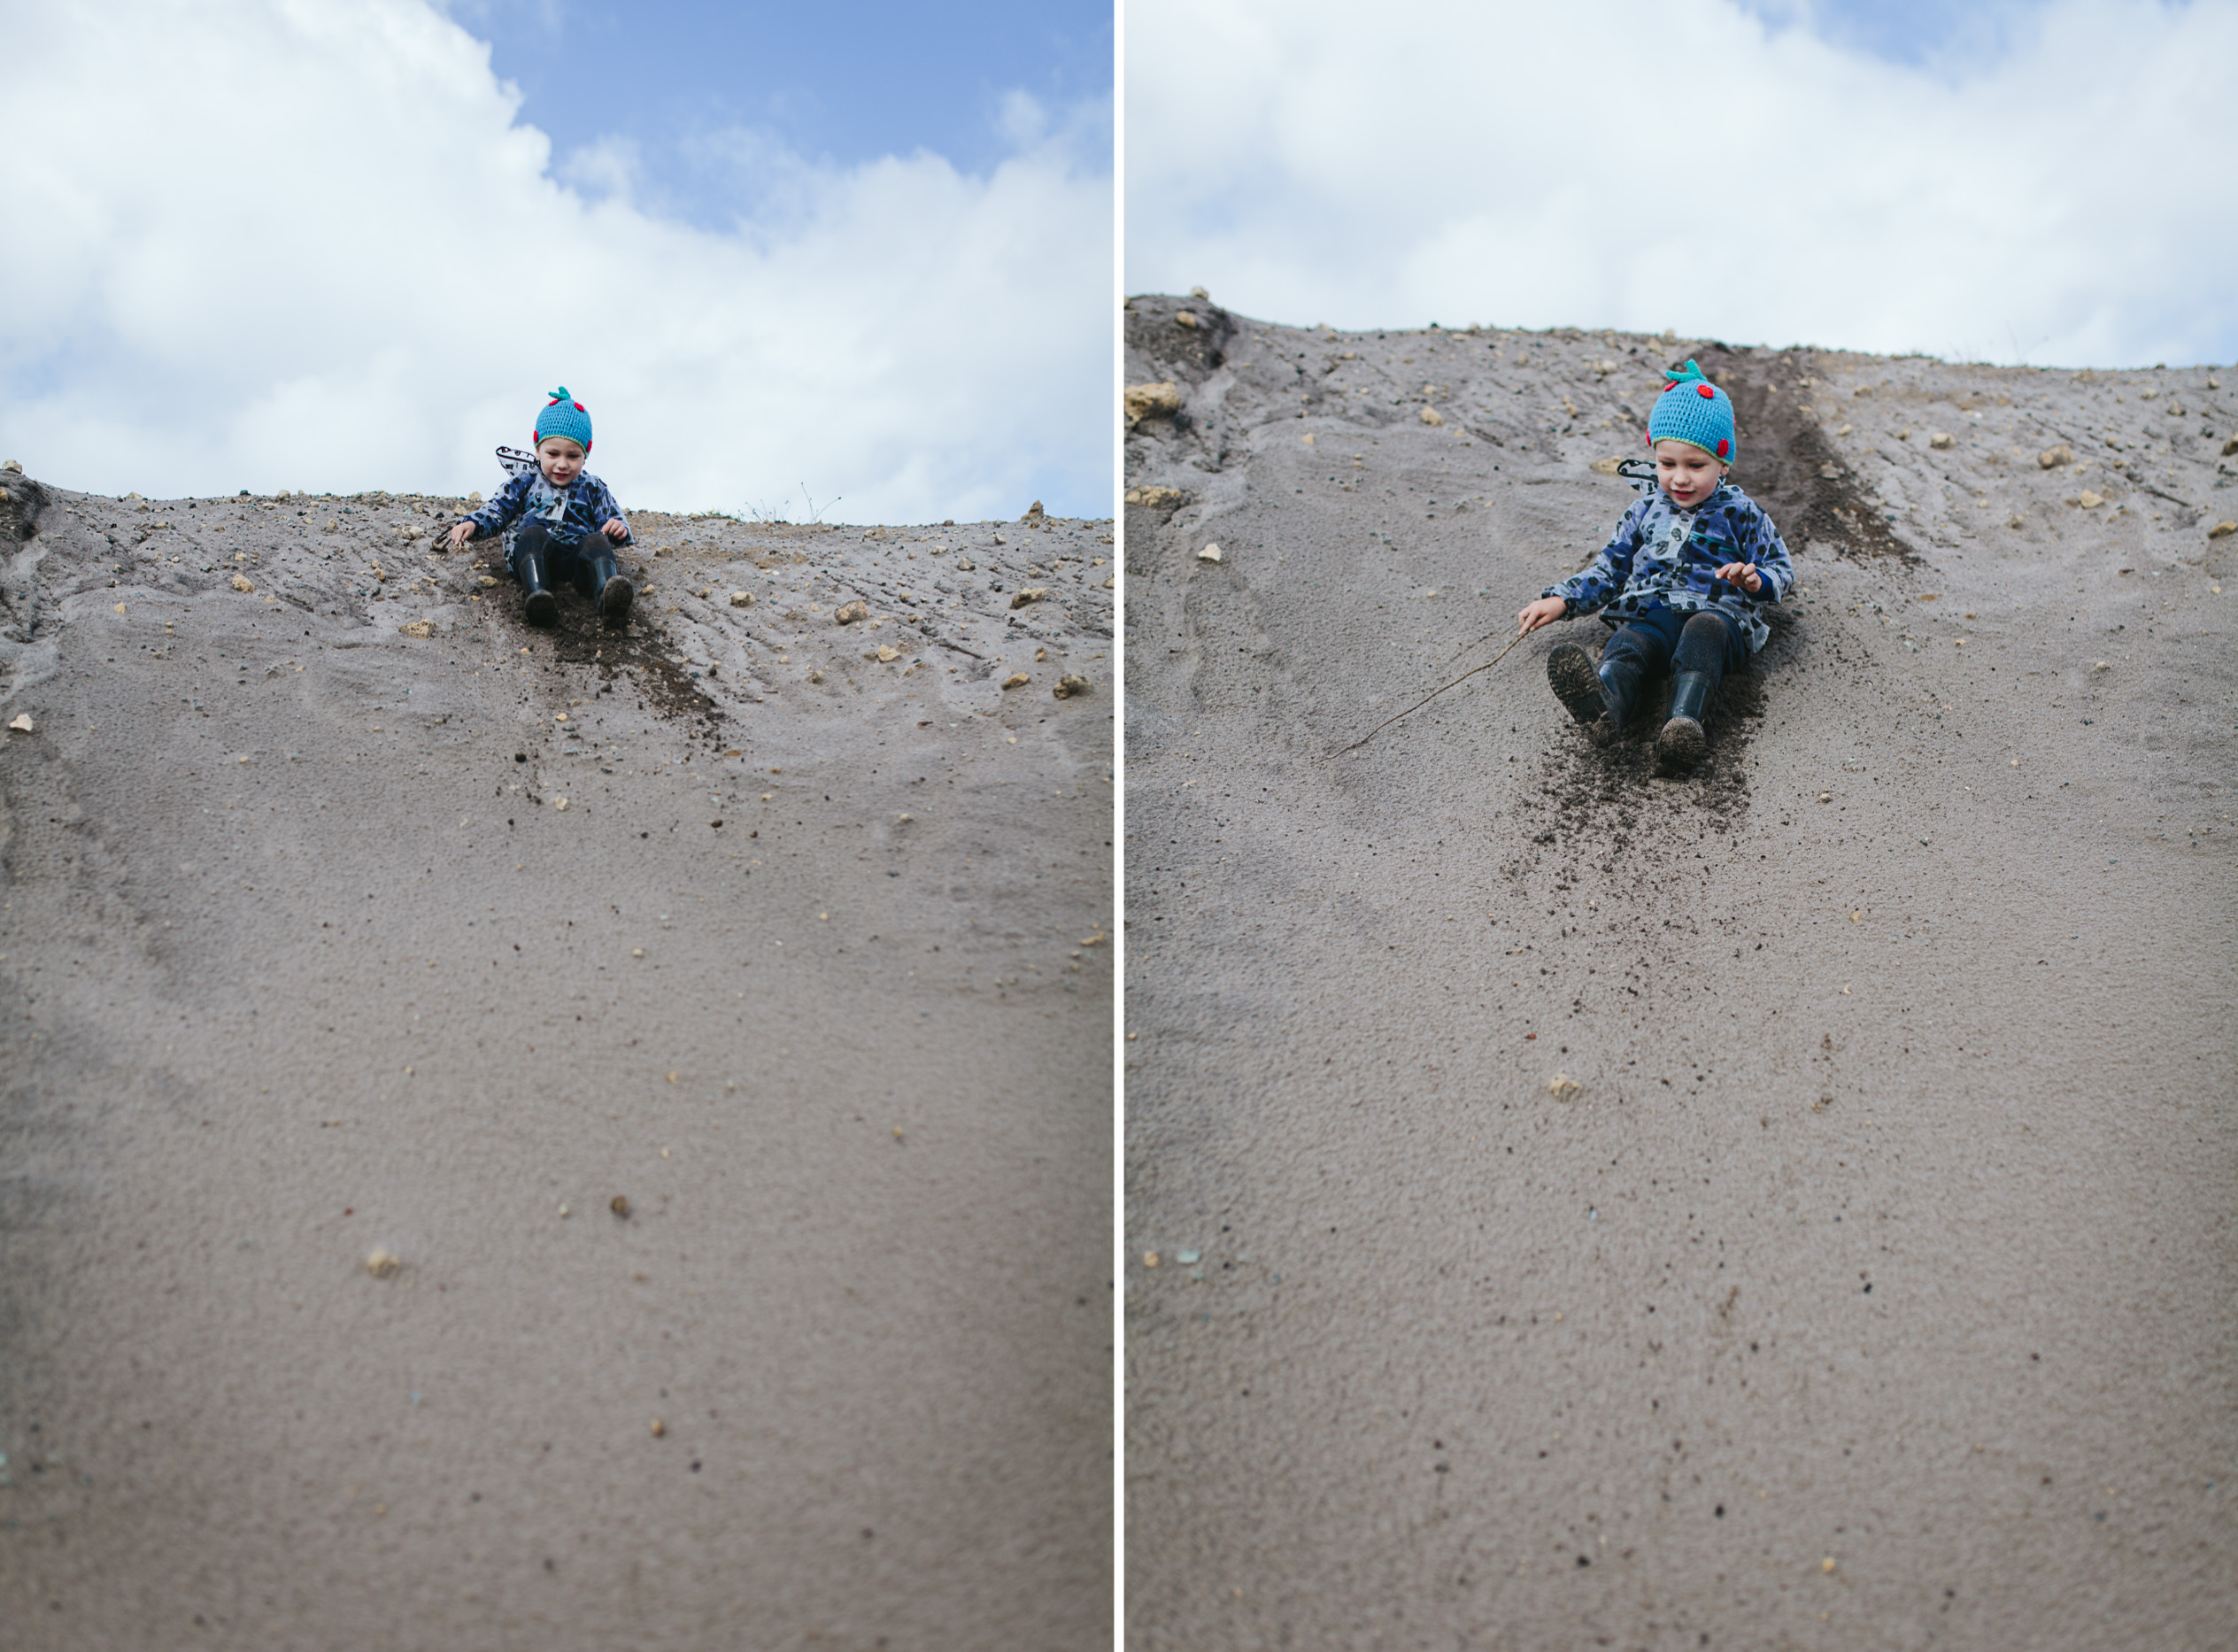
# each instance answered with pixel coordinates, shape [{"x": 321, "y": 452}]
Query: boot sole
[
  {"x": 1681, "y": 743},
  {"x": 1576, "y": 683},
  {"x": 614, "y": 600},
  {"x": 541, "y": 608}
]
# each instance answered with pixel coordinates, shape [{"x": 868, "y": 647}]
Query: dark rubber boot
[
  {"x": 1681, "y": 743},
  {"x": 541, "y": 606},
  {"x": 1576, "y": 684},
  {"x": 1620, "y": 687},
  {"x": 613, "y": 592},
  {"x": 585, "y": 575}
]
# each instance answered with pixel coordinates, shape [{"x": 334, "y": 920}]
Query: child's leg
[
  {"x": 1632, "y": 655},
  {"x": 597, "y": 578},
  {"x": 531, "y": 557},
  {"x": 1603, "y": 697},
  {"x": 531, "y": 537},
  {"x": 1709, "y": 646}
]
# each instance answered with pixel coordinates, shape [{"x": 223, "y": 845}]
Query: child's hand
[
  {"x": 461, "y": 532},
  {"x": 1743, "y": 575},
  {"x": 1546, "y": 611},
  {"x": 616, "y": 529}
]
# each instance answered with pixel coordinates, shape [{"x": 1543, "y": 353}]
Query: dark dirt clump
[
  {"x": 22, "y": 499},
  {"x": 1154, "y": 329}
]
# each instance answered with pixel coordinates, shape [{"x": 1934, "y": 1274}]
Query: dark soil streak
[
  {"x": 1785, "y": 456},
  {"x": 641, "y": 648}
]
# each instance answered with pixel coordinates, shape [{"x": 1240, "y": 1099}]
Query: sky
[
  {"x": 669, "y": 90},
  {"x": 2043, "y": 183},
  {"x": 1954, "y": 35},
  {"x": 846, "y": 261}
]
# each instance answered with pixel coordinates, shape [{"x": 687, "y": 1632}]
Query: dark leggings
[
  {"x": 1706, "y": 641},
  {"x": 564, "y": 559}
]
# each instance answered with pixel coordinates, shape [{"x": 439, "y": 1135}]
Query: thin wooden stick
[{"x": 1434, "y": 694}]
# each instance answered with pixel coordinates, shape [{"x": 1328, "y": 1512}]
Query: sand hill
[
  {"x": 711, "y": 1020},
  {"x": 1784, "y": 1206}
]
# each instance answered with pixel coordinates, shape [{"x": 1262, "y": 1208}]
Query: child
[
  {"x": 1681, "y": 583},
  {"x": 571, "y": 523}
]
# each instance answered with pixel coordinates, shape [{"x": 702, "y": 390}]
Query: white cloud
[
  {"x": 271, "y": 244},
  {"x": 1647, "y": 164}
]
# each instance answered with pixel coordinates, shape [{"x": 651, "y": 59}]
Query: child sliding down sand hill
[
  {"x": 568, "y": 522},
  {"x": 1681, "y": 584}
]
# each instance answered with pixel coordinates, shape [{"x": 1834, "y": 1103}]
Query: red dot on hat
[
  {"x": 1723, "y": 446},
  {"x": 1704, "y": 389}
]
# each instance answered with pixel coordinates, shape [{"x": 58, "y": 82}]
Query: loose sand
[
  {"x": 322, "y": 938},
  {"x": 1877, "y": 1286}
]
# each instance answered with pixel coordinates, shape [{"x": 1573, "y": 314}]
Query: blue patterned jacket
[
  {"x": 584, "y": 508},
  {"x": 1662, "y": 556}
]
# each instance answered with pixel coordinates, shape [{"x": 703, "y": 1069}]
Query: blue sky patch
[{"x": 697, "y": 99}]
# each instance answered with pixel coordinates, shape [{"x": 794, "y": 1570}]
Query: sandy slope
[
  {"x": 1876, "y": 1285},
  {"x": 322, "y": 938}
]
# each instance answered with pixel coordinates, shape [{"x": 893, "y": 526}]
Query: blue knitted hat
[
  {"x": 1691, "y": 409},
  {"x": 565, "y": 416}
]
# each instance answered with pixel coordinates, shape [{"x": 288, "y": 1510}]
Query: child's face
[
  {"x": 1687, "y": 474},
  {"x": 561, "y": 460}
]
